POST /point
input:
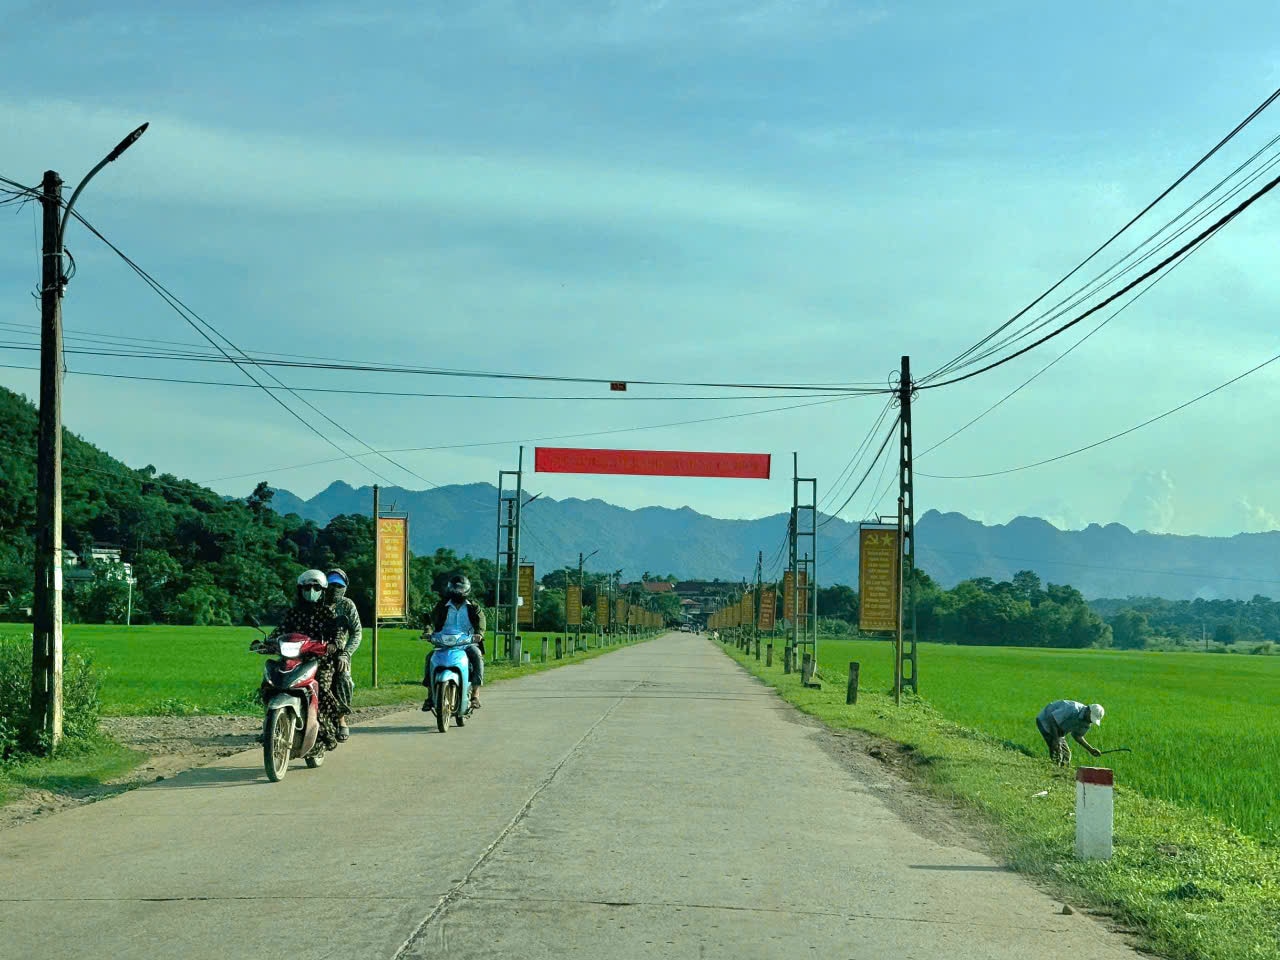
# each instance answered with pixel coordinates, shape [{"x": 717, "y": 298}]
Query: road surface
[{"x": 655, "y": 802}]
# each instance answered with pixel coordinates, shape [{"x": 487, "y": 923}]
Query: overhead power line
[
  {"x": 1114, "y": 436},
  {"x": 114, "y": 346},
  {"x": 1062, "y": 356},
  {"x": 563, "y": 436},
  {"x": 1199, "y": 238},
  {"x": 349, "y": 391},
  {"x": 1136, "y": 258},
  {"x": 851, "y": 467},
  {"x": 202, "y": 326},
  {"x": 199, "y": 324},
  {"x": 887, "y": 437},
  {"x": 953, "y": 363}
]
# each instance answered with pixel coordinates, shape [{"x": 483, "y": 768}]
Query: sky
[{"x": 721, "y": 191}]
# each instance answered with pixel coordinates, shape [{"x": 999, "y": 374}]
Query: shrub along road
[{"x": 652, "y": 802}]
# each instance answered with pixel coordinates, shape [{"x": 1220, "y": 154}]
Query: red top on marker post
[{"x": 1098, "y": 776}]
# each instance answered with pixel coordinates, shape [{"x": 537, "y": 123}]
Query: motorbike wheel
[
  {"x": 444, "y": 705},
  {"x": 277, "y": 743},
  {"x": 316, "y": 759}
]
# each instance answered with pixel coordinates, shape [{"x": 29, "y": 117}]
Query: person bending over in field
[{"x": 1063, "y": 717}]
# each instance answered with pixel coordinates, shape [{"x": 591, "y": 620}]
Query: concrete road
[{"x": 656, "y": 802}]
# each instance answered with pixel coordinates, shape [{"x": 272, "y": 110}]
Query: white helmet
[
  {"x": 311, "y": 586},
  {"x": 1096, "y": 713}
]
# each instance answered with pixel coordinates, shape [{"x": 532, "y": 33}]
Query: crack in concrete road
[
  {"x": 455, "y": 892},
  {"x": 791, "y": 911}
]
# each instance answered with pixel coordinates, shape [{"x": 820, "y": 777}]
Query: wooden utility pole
[
  {"x": 45, "y": 728},
  {"x": 46, "y": 634},
  {"x": 377, "y": 584}
]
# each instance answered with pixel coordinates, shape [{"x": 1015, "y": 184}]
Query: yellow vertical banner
[
  {"x": 768, "y": 607},
  {"x": 877, "y": 580},
  {"x": 748, "y": 608},
  {"x": 392, "y": 602},
  {"x": 602, "y": 609},
  {"x": 573, "y": 605},
  {"x": 788, "y": 596},
  {"x": 526, "y": 591}
]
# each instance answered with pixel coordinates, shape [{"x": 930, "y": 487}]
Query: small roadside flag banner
[{"x": 618, "y": 385}]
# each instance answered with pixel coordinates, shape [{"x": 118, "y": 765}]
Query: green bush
[{"x": 80, "y": 702}]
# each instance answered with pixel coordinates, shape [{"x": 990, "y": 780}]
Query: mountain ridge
[{"x": 1101, "y": 560}]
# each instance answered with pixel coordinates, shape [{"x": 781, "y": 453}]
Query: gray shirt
[
  {"x": 1064, "y": 717},
  {"x": 348, "y": 622}
]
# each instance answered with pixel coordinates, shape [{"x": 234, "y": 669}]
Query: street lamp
[{"x": 46, "y": 634}]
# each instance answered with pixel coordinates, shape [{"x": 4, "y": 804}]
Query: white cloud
[
  {"x": 1150, "y": 504},
  {"x": 1256, "y": 518},
  {"x": 177, "y": 160}
]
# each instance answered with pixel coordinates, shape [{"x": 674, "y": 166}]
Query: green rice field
[
  {"x": 1204, "y": 728},
  {"x": 184, "y": 670}
]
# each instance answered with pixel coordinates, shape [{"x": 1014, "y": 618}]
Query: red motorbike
[{"x": 292, "y": 721}]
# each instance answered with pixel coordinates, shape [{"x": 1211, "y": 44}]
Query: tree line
[{"x": 1019, "y": 612}]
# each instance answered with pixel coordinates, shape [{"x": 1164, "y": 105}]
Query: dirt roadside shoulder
[{"x": 171, "y": 744}]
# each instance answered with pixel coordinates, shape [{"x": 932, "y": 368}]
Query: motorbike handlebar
[{"x": 449, "y": 640}]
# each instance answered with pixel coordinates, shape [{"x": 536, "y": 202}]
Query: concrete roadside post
[
  {"x": 1094, "y": 812},
  {"x": 768, "y": 655},
  {"x": 559, "y": 648},
  {"x": 851, "y": 694},
  {"x": 544, "y": 649}
]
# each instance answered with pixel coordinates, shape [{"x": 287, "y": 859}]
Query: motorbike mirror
[{"x": 252, "y": 621}]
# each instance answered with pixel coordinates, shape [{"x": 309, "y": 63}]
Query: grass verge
[
  {"x": 80, "y": 769},
  {"x": 1191, "y": 887}
]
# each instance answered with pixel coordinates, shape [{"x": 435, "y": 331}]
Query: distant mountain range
[{"x": 1101, "y": 561}]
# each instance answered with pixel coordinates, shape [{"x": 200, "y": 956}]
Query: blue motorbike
[{"x": 450, "y": 674}]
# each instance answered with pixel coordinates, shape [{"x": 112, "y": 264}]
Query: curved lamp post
[{"x": 46, "y": 634}]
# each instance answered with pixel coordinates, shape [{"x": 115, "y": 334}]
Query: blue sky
[{"x": 723, "y": 190}]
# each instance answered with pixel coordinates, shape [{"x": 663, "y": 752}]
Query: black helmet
[
  {"x": 459, "y": 586},
  {"x": 337, "y": 578}
]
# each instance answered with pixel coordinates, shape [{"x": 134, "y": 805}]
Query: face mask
[{"x": 312, "y": 593}]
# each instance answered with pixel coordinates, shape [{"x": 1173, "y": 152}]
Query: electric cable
[
  {"x": 887, "y": 437},
  {"x": 1195, "y": 241},
  {"x": 563, "y": 436},
  {"x": 1114, "y": 436},
  {"x": 1119, "y": 269},
  {"x": 950, "y": 365}
]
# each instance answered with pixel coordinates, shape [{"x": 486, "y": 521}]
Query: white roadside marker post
[{"x": 1094, "y": 812}]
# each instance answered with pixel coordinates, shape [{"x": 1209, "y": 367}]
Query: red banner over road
[{"x": 652, "y": 463}]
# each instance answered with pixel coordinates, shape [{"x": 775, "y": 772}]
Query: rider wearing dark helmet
[
  {"x": 456, "y": 613},
  {"x": 347, "y": 619}
]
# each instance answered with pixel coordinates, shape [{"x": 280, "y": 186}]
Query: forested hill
[{"x": 198, "y": 557}]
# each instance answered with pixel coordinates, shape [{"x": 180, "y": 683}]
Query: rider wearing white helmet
[{"x": 310, "y": 615}]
